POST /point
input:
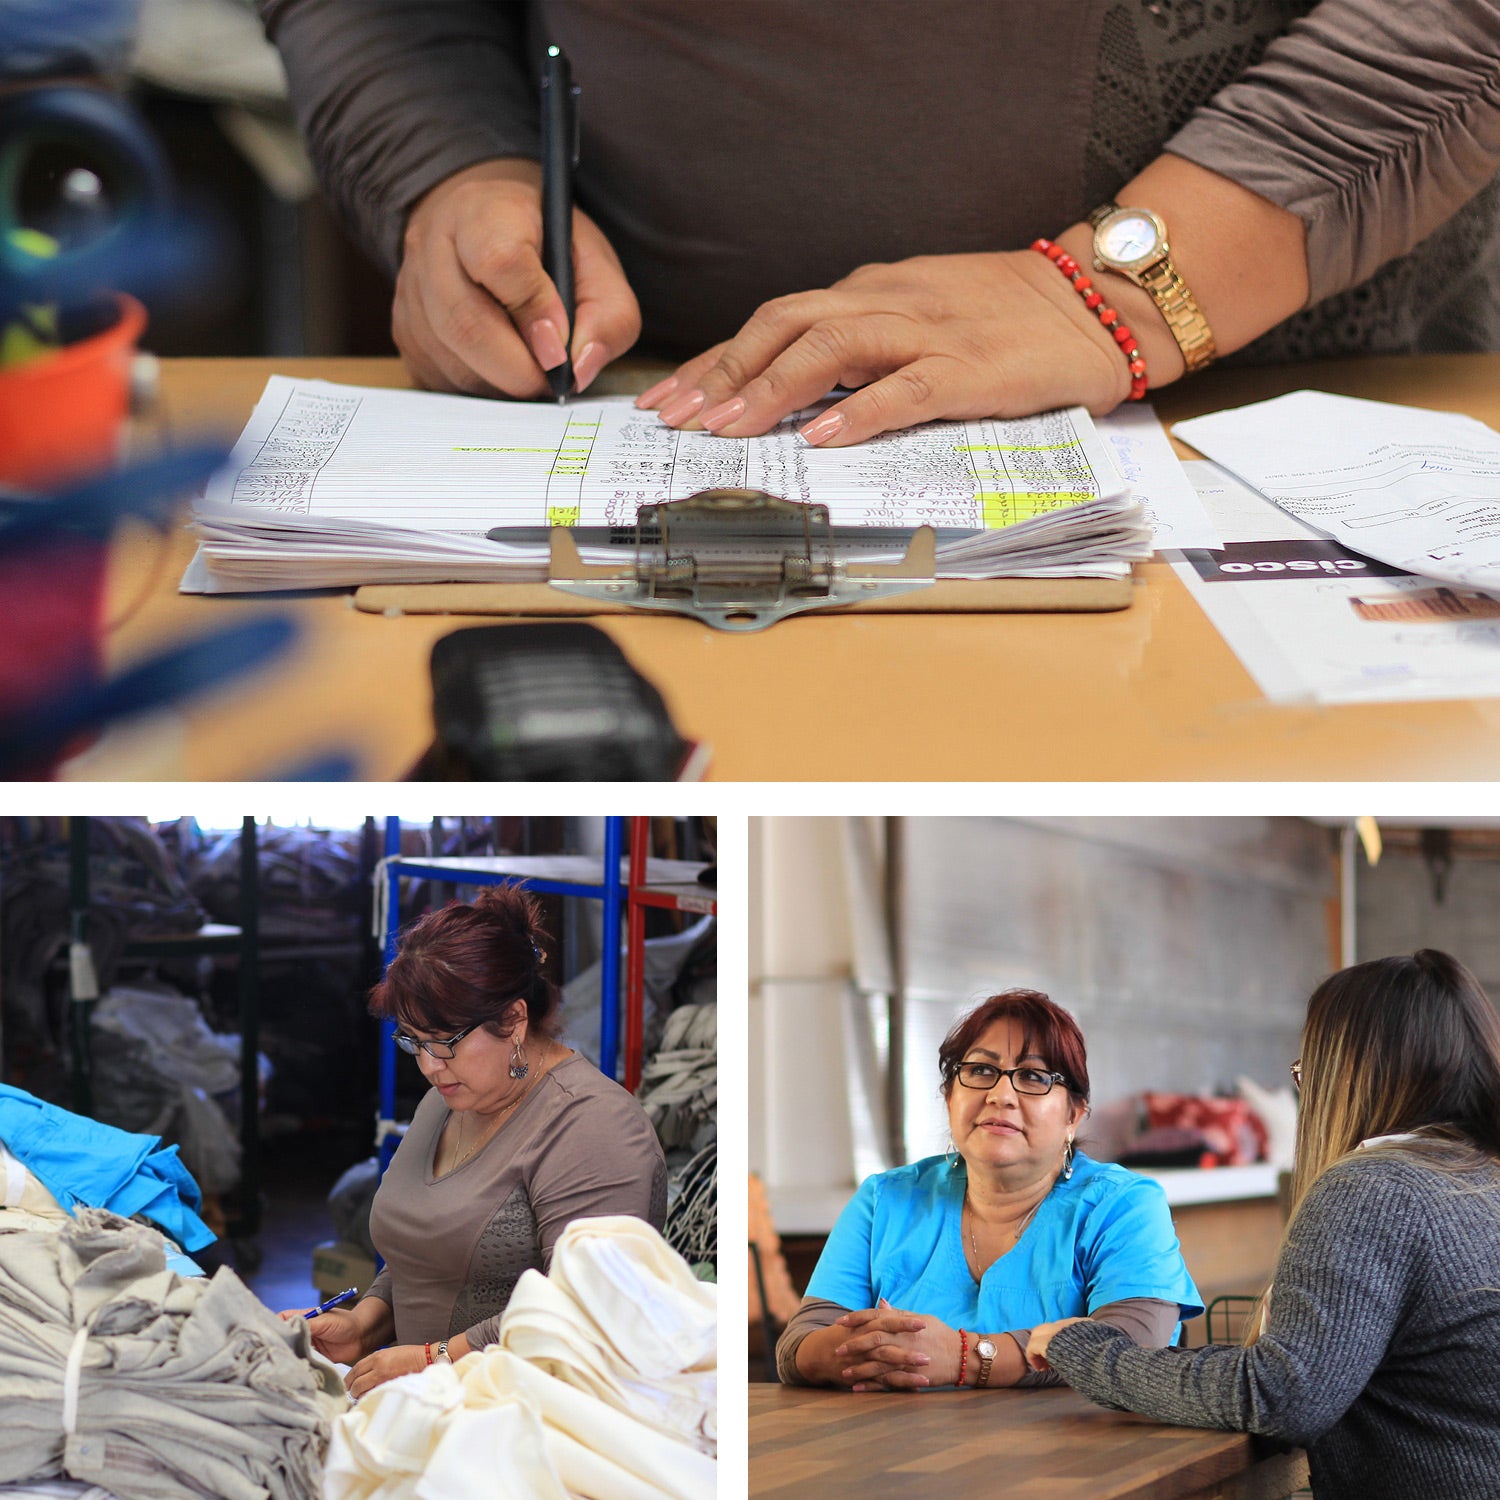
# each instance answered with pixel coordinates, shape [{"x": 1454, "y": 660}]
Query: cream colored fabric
[
  {"x": 623, "y": 1318},
  {"x": 24, "y": 1195},
  {"x": 603, "y": 1385}
]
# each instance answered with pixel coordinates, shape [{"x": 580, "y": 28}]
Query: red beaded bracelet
[
  {"x": 963, "y": 1355},
  {"x": 1106, "y": 315},
  {"x": 428, "y": 1348}
]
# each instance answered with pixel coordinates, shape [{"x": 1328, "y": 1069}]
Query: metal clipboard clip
[{"x": 738, "y": 560}]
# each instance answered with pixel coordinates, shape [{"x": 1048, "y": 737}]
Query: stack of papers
[{"x": 333, "y": 485}]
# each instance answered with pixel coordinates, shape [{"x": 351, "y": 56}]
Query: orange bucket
[
  {"x": 62, "y": 414},
  {"x": 62, "y": 417}
]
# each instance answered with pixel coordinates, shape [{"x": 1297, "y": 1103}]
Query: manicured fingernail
[
  {"x": 842, "y": 1349},
  {"x": 723, "y": 414},
  {"x": 830, "y": 424},
  {"x": 661, "y": 388},
  {"x": 546, "y": 344},
  {"x": 588, "y": 364},
  {"x": 682, "y": 408},
  {"x": 921, "y": 1359}
]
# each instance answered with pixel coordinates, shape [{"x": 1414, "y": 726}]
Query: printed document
[
  {"x": 1311, "y": 620},
  {"x": 1417, "y": 489}
]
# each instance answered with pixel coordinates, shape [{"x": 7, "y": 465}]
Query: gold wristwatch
[
  {"x": 1133, "y": 241},
  {"x": 986, "y": 1351}
]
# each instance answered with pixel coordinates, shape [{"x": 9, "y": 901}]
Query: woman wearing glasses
[
  {"x": 936, "y": 1272},
  {"x": 1379, "y": 1350},
  {"x": 518, "y": 1136}
]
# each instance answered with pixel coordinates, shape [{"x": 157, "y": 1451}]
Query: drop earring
[
  {"x": 952, "y": 1155},
  {"x": 1068, "y": 1154},
  {"x": 519, "y": 1067}
]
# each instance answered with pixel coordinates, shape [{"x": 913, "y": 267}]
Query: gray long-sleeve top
[
  {"x": 736, "y": 152},
  {"x": 1382, "y": 1351}
]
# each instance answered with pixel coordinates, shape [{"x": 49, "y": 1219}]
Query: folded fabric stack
[
  {"x": 115, "y": 1371},
  {"x": 604, "y": 1384}
]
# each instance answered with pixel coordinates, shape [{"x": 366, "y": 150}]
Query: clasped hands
[{"x": 936, "y": 336}]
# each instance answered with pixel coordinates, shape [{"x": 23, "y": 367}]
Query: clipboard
[{"x": 740, "y": 561}]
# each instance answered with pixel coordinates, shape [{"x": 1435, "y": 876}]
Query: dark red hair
[
  {"x": 467, "y": 964},
  {"x": 1047, "y": 1031}
]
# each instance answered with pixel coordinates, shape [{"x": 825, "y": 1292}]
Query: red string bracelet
[
  {"x": 1106, "y": 315},
  {"x": 963, "y": 1355}
]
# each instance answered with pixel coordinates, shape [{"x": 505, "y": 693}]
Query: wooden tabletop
[
  {"x": 973, "y": 1445},
  {"x": 1148, "y": 693}
]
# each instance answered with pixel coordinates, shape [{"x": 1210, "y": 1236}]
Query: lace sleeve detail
[{"x": 508, "y": 1247}]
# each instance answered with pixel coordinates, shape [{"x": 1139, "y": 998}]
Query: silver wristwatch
[{"x": 442, "y": 1351}]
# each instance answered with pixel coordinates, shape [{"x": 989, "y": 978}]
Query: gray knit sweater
[{"x": 1382, "y": 1354}]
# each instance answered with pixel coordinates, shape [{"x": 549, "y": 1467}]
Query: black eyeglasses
[
  {"x": 439, "y": 1049},
  {"x": 1297, "y": 1072},
  {"x": 983, "y": 1075}
]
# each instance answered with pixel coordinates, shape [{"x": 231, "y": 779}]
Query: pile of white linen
[
  {"x": 115, "y": 1371},
  {"x": 604, "y": 1384}
]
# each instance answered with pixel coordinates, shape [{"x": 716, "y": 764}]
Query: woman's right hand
[
  {"x": 338, "y": 1335},
  {"x": 475, "y": 312}
]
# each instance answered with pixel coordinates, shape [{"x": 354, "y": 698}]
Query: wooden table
[
  {"x": 974, "y": 1445},
  {"x": 1149, "y": 693}
]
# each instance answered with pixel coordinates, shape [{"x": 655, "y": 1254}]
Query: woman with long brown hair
[
  {"x": 518, "y": 1136},
  {"x": 1379, "y": 1344}
]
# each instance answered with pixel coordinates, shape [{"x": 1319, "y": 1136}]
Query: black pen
[{"x": 559, "y": 158}]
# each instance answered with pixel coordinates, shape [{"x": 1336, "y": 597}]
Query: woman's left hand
[
  {"x": 1041, "y": 1336},
  {"x": 385, "y": 1364},
  {"x": 953, "y": 336},
  {"x": 879, "y": 1356}
]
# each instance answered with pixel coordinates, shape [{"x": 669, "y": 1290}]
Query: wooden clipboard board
[{"x": 945, "y": 596}]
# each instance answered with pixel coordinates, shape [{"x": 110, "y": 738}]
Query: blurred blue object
[
  {"x": 148, "y": 489},
  {"x": 86, "y": 204},
  {"x": 36, "y": 733},
  {"x": 60, "y": 38}
]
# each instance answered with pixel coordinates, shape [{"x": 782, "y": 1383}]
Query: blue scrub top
[{"x": 1099, "y": 1237}]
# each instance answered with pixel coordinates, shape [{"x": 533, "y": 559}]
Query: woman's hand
[
  {"x": 338, "y": 1335},
  {"x": 891, "y": 1350},
  {"x": 1041, "y": 1336},
  {"x": 385, "y": 1364},
  {"x": 937, "y": 336},
  {"x": 475, "y": 312}
]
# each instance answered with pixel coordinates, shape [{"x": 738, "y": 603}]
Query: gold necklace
[
  {"x": 1016, "y": 1233},
  {"x": 493, "y": 1126}
]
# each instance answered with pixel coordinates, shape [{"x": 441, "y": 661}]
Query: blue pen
[{"x": 344, "y": 1296}]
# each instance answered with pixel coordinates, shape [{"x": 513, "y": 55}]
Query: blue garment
[
  {"x": 54, "y": 38},
  {"x": 78, "y": 1160},
  {"x": 1104, "y": 1235}
]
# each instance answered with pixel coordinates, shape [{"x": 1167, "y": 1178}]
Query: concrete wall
[
  {"x": 1398, "y": 911},
  {"x": 1185, "y": 946}
]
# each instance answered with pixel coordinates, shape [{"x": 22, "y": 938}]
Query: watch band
[
  {"x": 986, "y": 1351},
  {"x": 442, "y": 1351},
  {"x": 1170, "y": 292}
]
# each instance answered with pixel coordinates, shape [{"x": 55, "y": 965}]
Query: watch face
[
  {"x": 1128, "y": 237},
  {"x": 985, "y": 1348}
]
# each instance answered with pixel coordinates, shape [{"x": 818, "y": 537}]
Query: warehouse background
[{"x": 130, "y": 949}]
